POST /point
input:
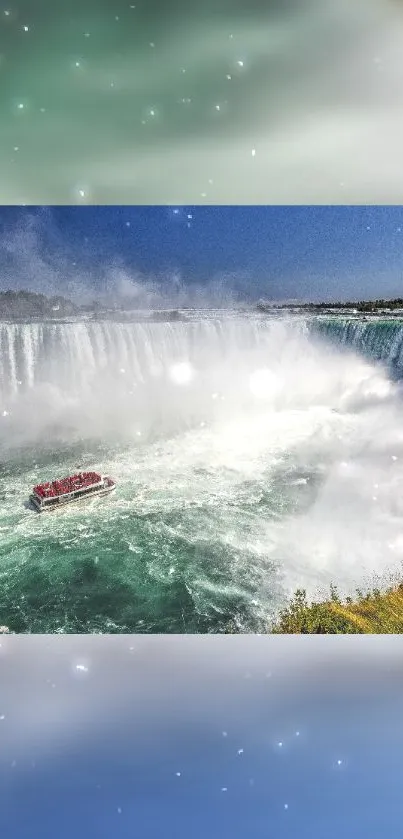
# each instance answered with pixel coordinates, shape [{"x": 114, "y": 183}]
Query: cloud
[{"x": 35, "y": 255}]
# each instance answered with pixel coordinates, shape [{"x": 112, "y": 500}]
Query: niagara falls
[{"x": 257, "y": 449}]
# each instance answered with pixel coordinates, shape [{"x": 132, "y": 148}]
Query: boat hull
[{"x": 64, "y": 502}]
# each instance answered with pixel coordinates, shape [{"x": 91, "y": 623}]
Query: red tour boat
[{"x": 51, "y": 496}]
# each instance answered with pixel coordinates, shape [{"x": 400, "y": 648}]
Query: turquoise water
[
  {"x": 166, "y": 553},
  {"x": 250, "y": 459}
]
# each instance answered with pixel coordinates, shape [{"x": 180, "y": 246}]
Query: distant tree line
[
  {"x": 21, "y": 305},
  {"x": 28, "y": 304},
  {"x": 367, "y": 306}
]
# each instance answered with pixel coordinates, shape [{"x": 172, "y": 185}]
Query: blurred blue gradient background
[{"x": 200, "y": 736}]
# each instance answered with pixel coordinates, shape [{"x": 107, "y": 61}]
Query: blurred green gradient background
[{"x": 225, "y": 101}]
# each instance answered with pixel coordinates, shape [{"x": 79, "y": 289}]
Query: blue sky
[
  {"x": 200, "y": 736},
  {"x": 286, "y": 252}
]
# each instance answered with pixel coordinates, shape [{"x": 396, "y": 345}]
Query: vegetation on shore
[
  {"x": 27, "y": 304},
  {"x": 374, "y": 612},
  {"x": 23, "y": 305},
  {"x": 361, "y": 306}
]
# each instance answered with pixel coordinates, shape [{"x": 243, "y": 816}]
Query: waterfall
[
  {"x": 106, "y": 378},
  {"x": 76, "y": 357},
  {"x": 380, "y": 340}
]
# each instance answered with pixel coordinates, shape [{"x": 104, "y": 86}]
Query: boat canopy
[{"x": 64, "y": 486}]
